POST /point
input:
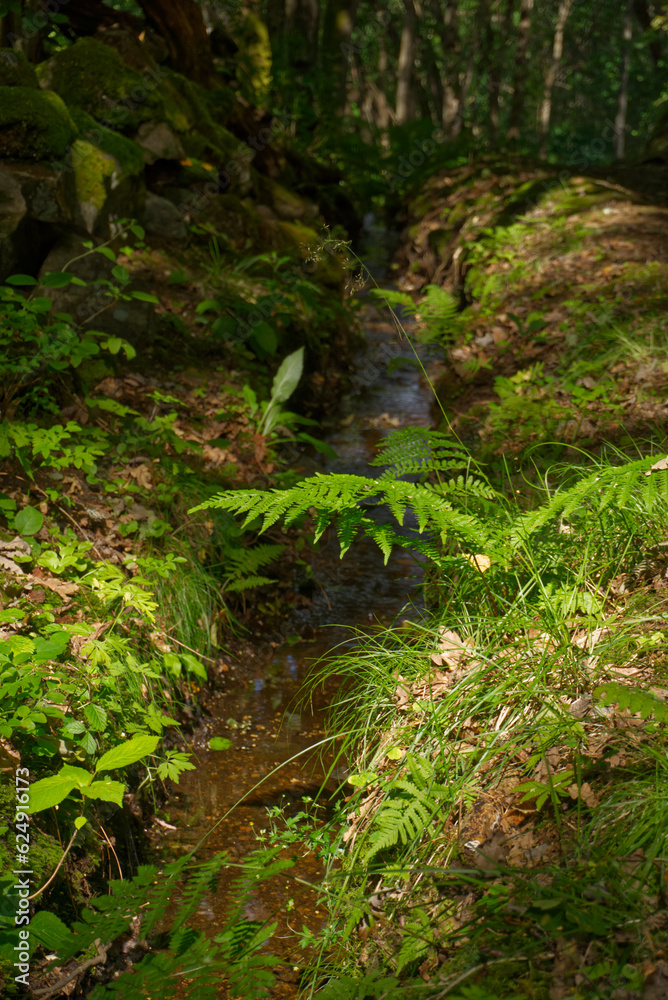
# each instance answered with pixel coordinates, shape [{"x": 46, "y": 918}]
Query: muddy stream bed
[{"x": 258, "y": 711}]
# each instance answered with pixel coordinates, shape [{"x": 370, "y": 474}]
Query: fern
[
  {"x": 408, "y": 809},
  {"x": 418, "y": 451},
  {"x": 636, "y": 701},
  {"x": 193, "y": 961},
  {"x": 243, "y": 563}
]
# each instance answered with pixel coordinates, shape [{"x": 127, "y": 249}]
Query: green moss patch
[
  {"x": 16, "y": 71},
  {"x": 34, "y": 124},
  {"x": 127, "y": 153}
]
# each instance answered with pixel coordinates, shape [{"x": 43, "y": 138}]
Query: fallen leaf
[
  {"x": 142, "y": 474},
  {"x": 659, "y": 466},
  {"x": 480, "y": 561}
]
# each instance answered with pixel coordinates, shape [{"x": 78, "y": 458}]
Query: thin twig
[
  {"x": 111, "y": 848},
  {"x": 57, "y": 869},
  {"x": 190, "y": 649},
  {"x": 100, "y": 958}
]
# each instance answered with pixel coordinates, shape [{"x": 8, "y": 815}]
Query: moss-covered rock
[
  {"x": 327, "y": 267},
  {"x": 34, "y": 124},
  {"x": 92, "y": 76},
  {"x": 103, "y": 187},
  {"x": 286, "y": 204},
  {"x": 127, "y": 153},
  {"x": 16, "y": 71}
]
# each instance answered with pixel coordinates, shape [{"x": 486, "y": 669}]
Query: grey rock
[
  {"x": 159, "y": 142},
  {"x": 163, "y": 219}
]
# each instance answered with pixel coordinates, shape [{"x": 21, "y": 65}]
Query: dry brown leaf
[
  {"x": 659, "y": 466},
  {"x": 451, "y": 649},
  {"x": 64, "y": 588},
  {"x": 142, "y": 473}
]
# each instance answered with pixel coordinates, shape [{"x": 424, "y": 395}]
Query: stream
[{"x": 258, "y": 712}]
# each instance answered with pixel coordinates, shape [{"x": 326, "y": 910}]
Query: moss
[
  {"x": 127, "y": 153},
  {"x": 34, "y": 124},
  {"x": 92, "y": 168},
  {"x": 93, "y": 77},
  {"x": 16, "y": 71}
]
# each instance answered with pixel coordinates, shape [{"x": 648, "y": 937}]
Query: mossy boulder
[
  {"x": 103, "y": 187},
  {"x": 127, "y": 153},
  {"x": 16, "y": 71},
  {"x": 34, "y": 124},
  {"x": 327, "y": 267},
  {"x": 93, "y": 77},
  {"x": 286, "y": 204}
]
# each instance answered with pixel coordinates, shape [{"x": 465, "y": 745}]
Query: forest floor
[{"x": 554, "y": 333}]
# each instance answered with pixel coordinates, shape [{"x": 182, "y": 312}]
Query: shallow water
[{"x": 273, "y": 740}]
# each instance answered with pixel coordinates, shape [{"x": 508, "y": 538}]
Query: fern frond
[
  {"x": 408, "y": 809},
  {"x": 622, "y": 485},
  {"x": 417, "y": 451}
]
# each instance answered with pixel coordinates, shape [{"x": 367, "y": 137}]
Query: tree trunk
[
  {"x": 182, "y": 26},
  {"x": 448, "y": 30},
  {"x": 551, "y": 73},
  {"x": 623, "y": 96},
  {"x": 521, "y": 69},
  {"x": 482, "y": 17},
  {"x": 497, "y": 52},
  {"x": 335, "y": 55},
  {"x": 405, "y": 65}
]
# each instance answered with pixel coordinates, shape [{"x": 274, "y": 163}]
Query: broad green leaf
[
  {"x": 56, "y": 279},
  {"x": 28, "y": 521},
  {"x": 145, "y": 297},
  {"x": 20, "y": 279},
  {"x": 264, "y": 336},
  {"x": 107, "y": 791},
  {"x": 127, "y": 753},
  {"x": 50, "y": 791},
  {"x": 121, "y": 274},
  {"x": 96, "y": 717},
  {"x": 49, "y": 929},
  {"x": 80, "y": 822},
  {"x": 219, "y": 743},
  {"x": 287, "y": 377},
  {"x": 206, "y": 305},
  {"x": 51, "y": 647},
  {"x": 78, "y": 774},
  {"x": 108, "y": 253}
]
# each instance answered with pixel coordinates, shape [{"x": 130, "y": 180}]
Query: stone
[
  {"x": 159, "y": 142},
  {"x": 48, "y": 192},
  {"x": 34, "y": 125},
  {"x": 164, "y": 220},
  {"x": 90, "y": 306},
  {"x": 13, "y": 208}
]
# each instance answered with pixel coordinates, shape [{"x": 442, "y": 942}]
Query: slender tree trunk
[
  {"x": 521, "y": 69},
  {"x": 551, "y": 73},
  {"x": 482, "y": 17},
  {"x": 405, "y": 65},
  {"x": 448, "y": 30},
  {"x": 498, "y": 53},
  {"x": 182, "y": 26},
  {"x": 623, "y": 96},
  {"x": 335, "y": 54}
]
